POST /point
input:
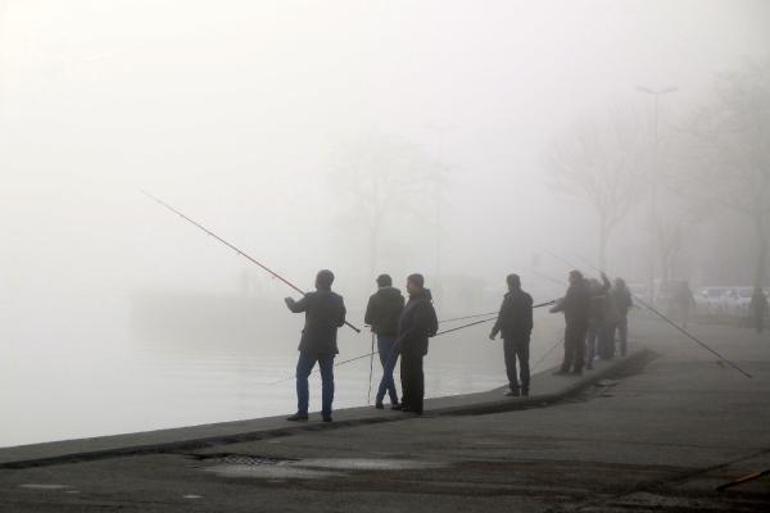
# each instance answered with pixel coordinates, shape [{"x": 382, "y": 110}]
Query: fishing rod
[
  {"x": 458, "y": 328},
  {"x": 233, "y": 247},
  {"x": 677, "y": 327}
]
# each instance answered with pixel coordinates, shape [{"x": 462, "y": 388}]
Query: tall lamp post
[{"x": 656, "y": 94}]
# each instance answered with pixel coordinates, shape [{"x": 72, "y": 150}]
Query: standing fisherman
[
  {"x": 758, "y": 307},
  {"x": 416, "y": 325},
  {"x": 575, "y": 305},
  {"x": 515, "y": 323},
  {"x": 324, "y": 313},
  {"x": 382, "y": 313},
  {"x": 621, "y": 298}
]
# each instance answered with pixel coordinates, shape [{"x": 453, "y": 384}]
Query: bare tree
[
  {"x": 731, "y": 141},
  {"x": 600, "y": 164},
  {"x": 381, "y": 183}
]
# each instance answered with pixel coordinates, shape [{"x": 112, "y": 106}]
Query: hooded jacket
[
  {"x": 417, "y": 324},
  {"x": 383, "y": 310}
]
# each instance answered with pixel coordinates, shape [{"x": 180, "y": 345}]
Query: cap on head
[
  {"x": 324, "y": 279},
  {"x": 513, "y": 281},
  {"x": 417, "y": 280},
  {"x": 384, "y": 280}
]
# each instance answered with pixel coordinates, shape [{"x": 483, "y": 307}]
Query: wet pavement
[{"x": 657, "y": 438}]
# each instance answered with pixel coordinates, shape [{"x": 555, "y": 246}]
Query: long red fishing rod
[{"x": 233, "y": 247}]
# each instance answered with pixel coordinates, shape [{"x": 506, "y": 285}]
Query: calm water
[{"x": 70, "y": 378}]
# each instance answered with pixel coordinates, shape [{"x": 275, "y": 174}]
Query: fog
[{"x": 363, "y": 137}]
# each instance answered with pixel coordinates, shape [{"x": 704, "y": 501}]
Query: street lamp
[{"x": 656, "y": 94}]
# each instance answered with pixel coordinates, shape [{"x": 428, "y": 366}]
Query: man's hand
[
  {"x": 492, "y": 336},
  {"x": 289, "y": 301}
]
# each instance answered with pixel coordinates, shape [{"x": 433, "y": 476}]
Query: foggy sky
[{"x": 233, "y": 110}]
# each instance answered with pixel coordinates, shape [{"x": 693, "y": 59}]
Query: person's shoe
[
  {"x": 577, "y": 372},
  {"x": 327, "y": 418},
  {"x": 512, "y": 393},
  {"x": 396, "y": 406},
  {"x": 297, "y": 417},
  {"x": 561, "y": 372},
  {"x": 525, "y": 392},
  {"x": 379, "y": 406},
  {"x": 590, "y": 366}
]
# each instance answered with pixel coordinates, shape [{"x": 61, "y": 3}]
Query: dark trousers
[
  {"x": 574, "y": 346},
  {"x": 514, "y": 348},
  {"x": 386, "y": 346},
  {"x": 305, "y": 366},
  {"x": 621, "y": 332},
  {"x": 759, "y": 320},
  {"x": 412, "y": 382},
  {"x": 606, "y": 341}
]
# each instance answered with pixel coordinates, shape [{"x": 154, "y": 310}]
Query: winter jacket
[
  {"x": 575, "y": 304},
  {"x": 417, "y": 324},
  {"x": 515, "y": 317},
  {"x": 324, "y": 313},
  {"x": 383, "y": 310}
]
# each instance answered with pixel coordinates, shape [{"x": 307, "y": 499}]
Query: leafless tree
[
  {"x": 600, "y": 163},
  {"x": 731, "y": 144}
]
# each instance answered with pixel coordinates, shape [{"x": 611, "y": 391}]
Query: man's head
[
  {"x": 384, "y": 280},
  {"x": 514, "y": 282},
  {"x": 620, "y": 283},
  {"x": 575, "y": 277},
  {"x": 324, "y": 280},
  {"x": 415, "y": 283}
]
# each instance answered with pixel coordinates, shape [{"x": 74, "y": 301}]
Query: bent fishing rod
[
  {"x": 451, "y": 330},
  {"x": 669, "y": 321},
  {"x": 234, "y": 248}
]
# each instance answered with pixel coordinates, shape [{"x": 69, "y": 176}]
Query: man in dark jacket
[
  {"x": 382, "y": 313},
  {"x": 575, "y": 305},
  {"x": 415, "y": 326},
  {"x": 515, "y": 323},
  {"x": 324, "y": 313}
]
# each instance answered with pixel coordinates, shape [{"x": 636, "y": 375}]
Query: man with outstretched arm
[
  {"x": 515, "y": 323},
  {"x": 324, "y": 314},
  {"x": 576, "y": 307},
  {"x": 416, "y": 325},
  {"x": 382, "y": 313}
]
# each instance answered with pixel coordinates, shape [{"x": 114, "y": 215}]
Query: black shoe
[
  {"x": 297, "y": 417},
  {"x": 395, "y": 406},
  {"x": 379, "y": 406},
  {"x": 327, "y": 418},
  {"x": 512, "y": 393},
  {"x": 525, "y": 392}
]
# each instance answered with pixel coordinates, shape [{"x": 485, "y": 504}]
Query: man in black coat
[
  {"x": 324, "y": 313},
  {"x": 416, "y": 325},
  {"x": 576, "y": 307},
  {"x": 515, "y": 323},
  {"x": 382, "y": 313}
]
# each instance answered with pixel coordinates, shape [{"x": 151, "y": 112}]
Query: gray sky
[{"x": 233, "y": 109}]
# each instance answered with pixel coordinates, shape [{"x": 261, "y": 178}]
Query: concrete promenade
[{"x": 643, "y": 433}]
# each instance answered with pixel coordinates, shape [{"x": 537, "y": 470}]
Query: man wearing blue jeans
[
  {"x": 382, "y": 313},
  {"x": 324, "y": 314}
]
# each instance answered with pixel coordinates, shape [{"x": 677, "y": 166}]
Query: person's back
[
  {"x": 324, "y": 314},
  {"x": 383, "y": 311},
  {"x": 515, "y": 318}
]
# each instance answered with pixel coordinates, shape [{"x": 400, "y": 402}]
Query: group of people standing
[
  {"x": 402, "y": 329},
  {"x": 595, "y": 312}
]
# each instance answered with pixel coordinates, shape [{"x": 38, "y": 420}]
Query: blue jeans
[
  {"x": 305, "y": 366},
  {"x": 386, "y": 345}
]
